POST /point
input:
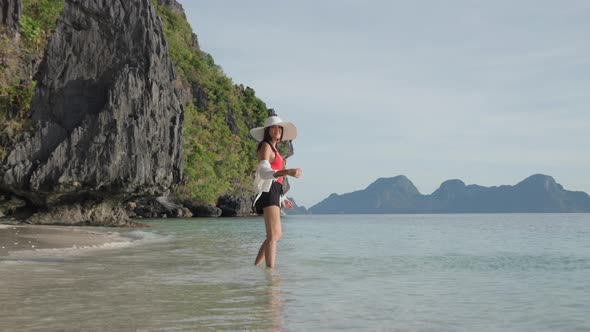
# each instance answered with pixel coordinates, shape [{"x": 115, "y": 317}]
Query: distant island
[{"x": 536, "y": 194}]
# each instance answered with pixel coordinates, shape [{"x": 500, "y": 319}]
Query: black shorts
[{"x": 270, "y": 198}]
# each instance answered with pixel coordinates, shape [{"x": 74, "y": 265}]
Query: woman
[{"x": 268, "y": 182}]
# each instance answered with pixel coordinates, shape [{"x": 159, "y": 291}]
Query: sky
[{"x": 489, "y": 92}]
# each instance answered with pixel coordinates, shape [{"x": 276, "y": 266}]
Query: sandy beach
[{"x": 18, "y": 238}]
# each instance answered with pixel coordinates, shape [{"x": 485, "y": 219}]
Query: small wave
[
  {"x": 110, "y": 241},
  {"x": 514, "y": 262},
  {"x": 69, "y": 251},
  {"x": 145, "y": 237},
  {"x": 13, "y": 262}
]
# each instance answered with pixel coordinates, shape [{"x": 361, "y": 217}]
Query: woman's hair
[{"x": 267, "y": 138}]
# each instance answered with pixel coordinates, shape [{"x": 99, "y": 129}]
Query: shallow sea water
[{"x": 477, "y": 272}]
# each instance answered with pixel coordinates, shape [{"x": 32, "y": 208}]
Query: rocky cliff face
[
  {"x": 11, "y": 10},
  {"x": 106, "y": 121}
]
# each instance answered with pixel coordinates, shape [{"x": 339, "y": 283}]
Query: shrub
[
  {"x": 217, "y": 160},
  {"x": 37, "y": 21}
]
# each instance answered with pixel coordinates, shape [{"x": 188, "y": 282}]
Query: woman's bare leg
[
  {"x": 260, "y": 256},
  {"x": 272, "y": 221}
]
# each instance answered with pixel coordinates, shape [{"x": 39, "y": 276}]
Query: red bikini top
[{"x": 277, "y": 164}]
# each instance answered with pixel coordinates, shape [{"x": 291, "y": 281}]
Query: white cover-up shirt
[{"x": 263, "y": 179}]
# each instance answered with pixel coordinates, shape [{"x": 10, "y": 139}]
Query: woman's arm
[
  {"x": 266, "y": 152},
  {"x": 294, "y": 172}
]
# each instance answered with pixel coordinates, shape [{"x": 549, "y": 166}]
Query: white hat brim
[{"x": 289, "y": 131}]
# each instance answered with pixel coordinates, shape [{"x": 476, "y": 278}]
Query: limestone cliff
[
  {"x": 106, "y": 123},
  {"x": 10, "y": 13},
  {"x": 115, "y": 112}
]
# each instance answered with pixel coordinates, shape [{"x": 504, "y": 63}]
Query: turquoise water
[{"x": 481, "y": 272}]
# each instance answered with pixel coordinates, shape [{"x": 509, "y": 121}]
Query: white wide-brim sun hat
[{"x": 289, "y": 129}]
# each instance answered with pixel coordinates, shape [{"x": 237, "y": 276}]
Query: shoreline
[{"x": 16, "y": 239}]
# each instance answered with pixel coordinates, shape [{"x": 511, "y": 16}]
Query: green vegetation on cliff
[
  {"x": 38, "y": 20},
  {"x": 219, "y": 155},
  {"x": 19, "y": 54}
]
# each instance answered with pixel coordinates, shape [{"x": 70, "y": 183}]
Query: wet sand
[{"x": 16, "y": 238}]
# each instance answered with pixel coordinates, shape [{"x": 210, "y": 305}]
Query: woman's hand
[
  {"x": 287, "y": 204},
  {"x": 294, "y": 172}
]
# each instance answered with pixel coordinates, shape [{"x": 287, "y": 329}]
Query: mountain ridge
[{"x": 537, "y": 193}]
